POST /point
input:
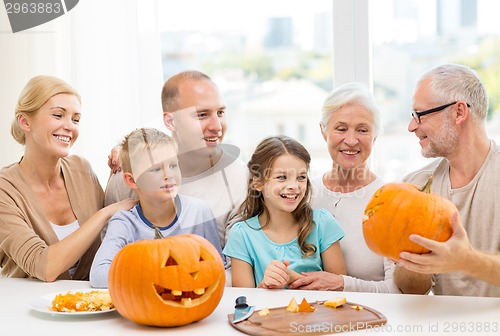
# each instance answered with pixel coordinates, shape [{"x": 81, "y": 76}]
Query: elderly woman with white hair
[{"x": 350, "y": 125}]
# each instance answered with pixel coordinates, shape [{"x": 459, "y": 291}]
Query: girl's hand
[
  {"x": 294, "y": 276},
  {"x": 277, "y": 275}
]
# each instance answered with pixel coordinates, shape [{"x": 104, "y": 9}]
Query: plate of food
[{"x": 75, "y": 302}]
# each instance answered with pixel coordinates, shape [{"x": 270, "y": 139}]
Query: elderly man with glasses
[{"x": 467, "y": 172}]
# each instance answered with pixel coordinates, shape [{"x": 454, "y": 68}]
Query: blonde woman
[{"x": 51, "y": 203}]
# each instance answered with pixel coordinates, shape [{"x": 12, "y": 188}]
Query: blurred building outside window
[{"x": 274, "y": 63}]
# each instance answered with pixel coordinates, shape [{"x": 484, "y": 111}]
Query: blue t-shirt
[
  {"x": 249, "y": 243},
  {"x": 127, "y": 226}
]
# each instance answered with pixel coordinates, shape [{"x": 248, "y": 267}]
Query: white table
[{"x": 406, "y": 314}]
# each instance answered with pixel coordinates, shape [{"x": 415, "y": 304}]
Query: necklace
[{"x": 339, "y": 199}]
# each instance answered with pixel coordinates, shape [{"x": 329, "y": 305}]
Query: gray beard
[{"x": 444, "y": 144}]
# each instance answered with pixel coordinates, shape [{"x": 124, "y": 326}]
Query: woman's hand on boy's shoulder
[{"x": 125, "y": 204}]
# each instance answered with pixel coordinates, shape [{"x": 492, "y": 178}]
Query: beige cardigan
[{"x": 25, "y": 231}]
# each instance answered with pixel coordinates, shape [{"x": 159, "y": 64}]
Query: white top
[
  {"x": 62, "y": 231},
  {"x": 366, "y": 271},
  {"x": 224, "y": 188}
]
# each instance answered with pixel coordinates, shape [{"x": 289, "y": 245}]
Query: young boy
[{"x": 149, "y": 163}]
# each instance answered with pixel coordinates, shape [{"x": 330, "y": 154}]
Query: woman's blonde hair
[{"x": 35, "y": 94}]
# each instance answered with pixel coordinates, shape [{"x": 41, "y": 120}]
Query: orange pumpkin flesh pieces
[
  {"x": 305, "y": 307},
  {"x": 167, "y": 282},
  {"x": 397, "y": 210}
]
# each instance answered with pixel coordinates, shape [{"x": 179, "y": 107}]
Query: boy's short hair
[{"x": 138, "y": 142}]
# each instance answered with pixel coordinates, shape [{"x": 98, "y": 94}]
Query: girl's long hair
[{"x": 259, "y": 167}]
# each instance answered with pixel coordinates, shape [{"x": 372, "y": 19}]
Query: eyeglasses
[{"x": 416, "y": 115}]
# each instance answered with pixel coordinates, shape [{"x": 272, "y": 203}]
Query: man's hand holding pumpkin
[{"x": 448, "y": 256}]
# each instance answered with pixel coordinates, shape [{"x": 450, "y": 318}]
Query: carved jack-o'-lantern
[{"x": 167, "y": 282}]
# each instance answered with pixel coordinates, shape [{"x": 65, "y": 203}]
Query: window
[
  {"x": 275, "y": 62},
  {"x": 411, "y": 36},
  {"x": 272, "y": 61}
]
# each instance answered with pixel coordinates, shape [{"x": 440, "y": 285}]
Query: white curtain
[{"x": 109, "y": 50}]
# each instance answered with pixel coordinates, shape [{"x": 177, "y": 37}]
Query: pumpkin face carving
[
  {"x": 167, "y": 282},
  {"x": 397, "y": 210}
]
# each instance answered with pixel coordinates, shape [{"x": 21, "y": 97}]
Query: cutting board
[{"x": 324, "y": 320}]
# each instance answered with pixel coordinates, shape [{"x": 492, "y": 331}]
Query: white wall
[
  {"x": 22, "y": 55},
  {"x": 109, "y": 51},
  {"x": 352, "y": 51}
]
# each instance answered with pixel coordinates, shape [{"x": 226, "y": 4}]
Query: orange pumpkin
[
  {"x": 167, "y": 282},
  {"x": 397, "y": 210}
]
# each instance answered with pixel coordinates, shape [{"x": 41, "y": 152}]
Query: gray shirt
[{"x": 479, "y": 205}]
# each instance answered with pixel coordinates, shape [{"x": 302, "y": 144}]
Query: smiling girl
[{"x": 280, "y": 234}]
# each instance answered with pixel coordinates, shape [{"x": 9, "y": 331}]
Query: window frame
[{"x": 352, "y": 45}]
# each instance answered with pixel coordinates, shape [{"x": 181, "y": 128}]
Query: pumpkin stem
[
  {"x": 158, "y": 234},
  {"x": 427, "y": 187}
]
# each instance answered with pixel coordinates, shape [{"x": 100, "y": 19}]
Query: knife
[{"x": 242, "y": 310}]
